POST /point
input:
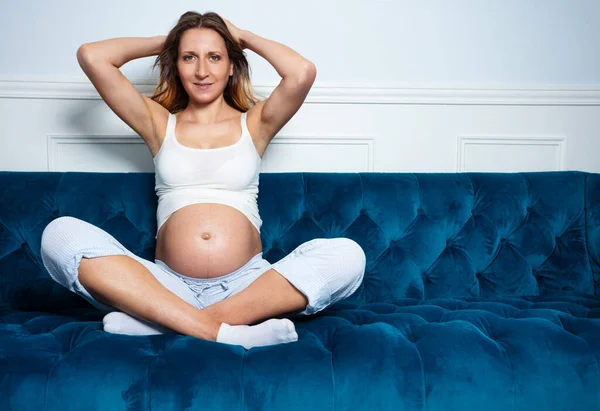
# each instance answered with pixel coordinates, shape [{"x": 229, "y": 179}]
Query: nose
[{"x": 201, "y": 69}]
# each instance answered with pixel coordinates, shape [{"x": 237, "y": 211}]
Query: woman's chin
[{"x": 202, "y": 98}]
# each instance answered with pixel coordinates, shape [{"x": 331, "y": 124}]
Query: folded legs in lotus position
[{"x": 144, "y": 297}]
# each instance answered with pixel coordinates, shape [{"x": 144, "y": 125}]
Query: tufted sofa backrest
[{"x": 425, "y": 235}]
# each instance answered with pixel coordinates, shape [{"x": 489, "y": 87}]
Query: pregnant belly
[{"x": 207, "y": 240}]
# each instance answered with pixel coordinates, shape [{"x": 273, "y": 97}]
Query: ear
[{"x": 231, "y": 70}]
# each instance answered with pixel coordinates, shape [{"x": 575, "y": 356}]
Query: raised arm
[{"x": 101, "y": 62}]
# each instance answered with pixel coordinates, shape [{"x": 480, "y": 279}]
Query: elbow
[
  {"x": 88, "y": 58},
  {"x": 309, "y": 73},
  {"x": 83, "y": 54},
  {"x": 86, "y": 55}
]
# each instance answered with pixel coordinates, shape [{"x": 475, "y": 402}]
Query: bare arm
[
  {"x": 298, "y": 75},
  {"x": 120, "y": 50},
  {"x": 287, "y": 62},
  {"x": 101, "y": 60}
]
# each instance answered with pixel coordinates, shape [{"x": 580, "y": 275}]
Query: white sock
[
  {"x": 273, "y": 331},
  {"x": 118, "y": 322}
]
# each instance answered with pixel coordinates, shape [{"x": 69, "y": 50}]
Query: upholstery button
[
  {"x": 420, "y": 211},
  {"x": 502, "y": 240},
  {"x": 478, "y": 275},
  {"x": 121, "y": 212}
]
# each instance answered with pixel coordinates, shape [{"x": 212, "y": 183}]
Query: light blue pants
[{"x": 324, "y": 270}]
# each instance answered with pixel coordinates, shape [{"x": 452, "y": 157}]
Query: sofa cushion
[{"x": 447, "y": 353}]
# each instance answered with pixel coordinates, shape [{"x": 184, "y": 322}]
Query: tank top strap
[
  {"x": 170, "y": 126},
  {"x": 245, "y": 132}
]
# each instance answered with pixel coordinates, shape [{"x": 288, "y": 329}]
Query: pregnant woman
[{"x": 207, "y": 134}]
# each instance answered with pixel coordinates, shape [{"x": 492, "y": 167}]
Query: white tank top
[{"x": 225, "y": 175}]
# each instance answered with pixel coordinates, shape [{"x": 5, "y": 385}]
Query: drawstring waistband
[
  {"x": 200, "y": 288},
  {"x": 200, "y": 285},
  {"x": 209, "y": 282}
]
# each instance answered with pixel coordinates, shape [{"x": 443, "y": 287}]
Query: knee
[
  {"x": 54, "y": 247},
  {"x": 354, "y": 258},
  {"x": 58, "y": 228},
  {"x": 53, "y": 235},
  {"x": 57, "y": 234},
  {"x": 64, "y": 241},
  {"x": 349, "y": 270}
]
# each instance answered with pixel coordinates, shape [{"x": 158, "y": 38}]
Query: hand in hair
[{"x": 235, "y": 32}]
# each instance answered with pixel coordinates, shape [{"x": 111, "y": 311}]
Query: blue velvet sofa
[{"x": 481, "y": 292}]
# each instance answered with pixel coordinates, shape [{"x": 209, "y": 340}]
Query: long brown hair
[{"x": 170, "y": 92}]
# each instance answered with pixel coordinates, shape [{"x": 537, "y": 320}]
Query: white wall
[{"x": 434, "y": 85}]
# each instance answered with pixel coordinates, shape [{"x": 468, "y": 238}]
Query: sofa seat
[{"x": 450, "y": 353}]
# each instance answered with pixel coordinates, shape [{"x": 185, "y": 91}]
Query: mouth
[{"x": 203, "y": 86}]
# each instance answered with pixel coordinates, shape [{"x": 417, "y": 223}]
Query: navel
[{"x": 206, "y": 236}]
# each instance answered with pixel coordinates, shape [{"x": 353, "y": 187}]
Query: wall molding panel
[
  {"x": 89, "y": 152},
  {"x": 339, "y": 94},
  {"x": 288, "y": 153},
  {"x": 59, "y": 124},
  {"x": 505, "y": 153}
]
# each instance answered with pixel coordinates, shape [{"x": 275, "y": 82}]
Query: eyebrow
[{"x": 209, "y": 52}]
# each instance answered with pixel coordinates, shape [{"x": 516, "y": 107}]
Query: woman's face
[{"x": 202, "y": 58}]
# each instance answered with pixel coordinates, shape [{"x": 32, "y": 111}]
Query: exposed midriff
[{"x": 207, "y": 240}]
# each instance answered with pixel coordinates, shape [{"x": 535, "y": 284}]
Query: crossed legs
[
  {"x": 124, "y": 283},
  {"x": 90, "y": 262}
]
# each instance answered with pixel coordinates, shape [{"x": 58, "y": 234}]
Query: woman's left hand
[{"x": 235, "y": 32}]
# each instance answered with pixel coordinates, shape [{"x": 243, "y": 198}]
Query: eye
[
  {"x": 184, "y": 57},
  {"x": 218, "y": 58}
]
